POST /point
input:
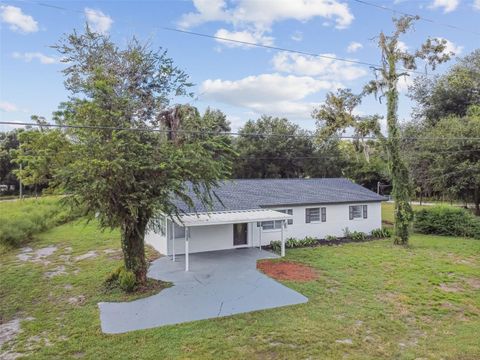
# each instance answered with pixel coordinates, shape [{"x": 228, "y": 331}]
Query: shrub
[
  {"x": 447, "y": 220},
  {"x": 308, "y": 241},
  {"x": 358, "y": 236},
  {"x": 293, "y": 243},
  {"x": 381, "y": 233},
  {"x": 330, "y": 238},
  {"x": 20, "y": 220},
  {"x": 126, "y": 280},
  {"x": 276, "y": 246},
  {"x": 112, "y": 278},
  {"x": 347, "y": 233},
  {"x": 290, "y": 243}
]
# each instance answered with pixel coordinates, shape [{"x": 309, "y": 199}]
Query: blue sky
[{"x": 244, "y": 82}]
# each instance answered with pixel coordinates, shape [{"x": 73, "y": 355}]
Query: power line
[
  {"x": 386, "y": 8},
  {"x": 270, "y": 47},
  {"x": 215, "y": 133},
  {"x": 277, "y": 48},
  {"x": 166, "y": 131}
]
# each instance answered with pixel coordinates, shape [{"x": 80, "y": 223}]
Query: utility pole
[{"x": 378, "y": 187}]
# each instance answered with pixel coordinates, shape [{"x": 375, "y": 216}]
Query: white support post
[
  {"x": 173, "y": 241},
  {"x": 260, "y": 237},
  {"x": 187, "y": 265},
  {"x": 283, "y": 240}
]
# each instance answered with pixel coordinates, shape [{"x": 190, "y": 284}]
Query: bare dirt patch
[
  {"x": 9, "y": 330},
  {"x": 397, "y": 301},
  {"x": 77, "y": 300},
  {"x": 474, "y": 283},
  {"x": 287, "y": 270},
  {"x": 88, "y": 255},
  {"x": 37, "y": 256},
  {"x": 451, "y": 287}
]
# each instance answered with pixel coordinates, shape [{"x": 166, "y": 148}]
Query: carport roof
[{"x": 232, "y": 217}]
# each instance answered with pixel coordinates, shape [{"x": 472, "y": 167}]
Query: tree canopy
[
  {"x": 452, "y": 93},
  {"x": 122, "y": 171}
]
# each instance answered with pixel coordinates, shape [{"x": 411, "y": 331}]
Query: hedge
[{"x": 447, "y": 220}]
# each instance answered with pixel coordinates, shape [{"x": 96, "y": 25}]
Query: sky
[{"x": 242, "y": 81}]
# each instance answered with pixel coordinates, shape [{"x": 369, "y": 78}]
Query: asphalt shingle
[{"x": 245, "y": 194}]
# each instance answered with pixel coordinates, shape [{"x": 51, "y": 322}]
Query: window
[
  {"x": 289, "y": 212},
  {"x": 312, "y": 215},
  {"x": 324, "y": 214},
  {"x": 179, "y": 231},
  {"x": 272, "y": 225},
  {"x": 358, "y": 211}
]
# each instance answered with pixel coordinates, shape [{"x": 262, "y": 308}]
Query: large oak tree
[{"x": 124, "y": 172}]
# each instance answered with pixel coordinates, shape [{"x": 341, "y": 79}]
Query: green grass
[
  {"x": 388, "y": 300},
  {"x": 387, "y": 212},
  {"x": 21, "y": 219}
]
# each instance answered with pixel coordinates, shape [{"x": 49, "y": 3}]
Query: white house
[{"x": 255, "y": 212}]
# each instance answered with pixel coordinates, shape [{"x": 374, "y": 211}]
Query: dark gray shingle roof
[{"x": 244, "y": 194}]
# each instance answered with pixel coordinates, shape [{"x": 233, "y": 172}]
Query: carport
[{"x": 229, "y": 217}]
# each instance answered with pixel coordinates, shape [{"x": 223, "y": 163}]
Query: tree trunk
[
  {"x": 398, "y": 170},
  {"x": 476, "y": 196},
  {"x": 133, "y": 247}
]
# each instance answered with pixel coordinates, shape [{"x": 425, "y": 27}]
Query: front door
[{"x": 240, "y": 234}]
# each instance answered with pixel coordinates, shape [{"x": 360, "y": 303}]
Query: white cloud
[
  {"x": 267, "y": 93},
  {"x": 403, "y": 83},
  {"x": 324, "y": 68},
  {"x": 98, "y": 21},
  {"x": 447, "y": 5},
  {"x": 262, "y": 14},
  {"x": 476, "y": 5},
  {"x": 402, "y": 46},
  {"x": 7, "y": 106},
  {"x": 207, "y": 10},
  {"x": 255, "y": 37},
  {"x": 451, "y": 47},
  {"x": 29, "y": 56},
  {"x": 298, "y": 35},
  {"x": 17, "y": 20},
  {"x": 354, "y": 46}
]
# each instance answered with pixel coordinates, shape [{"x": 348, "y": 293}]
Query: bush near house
[
  {"x": 447, "y": 220},
  {"x": 21, "y": 219},
  {"x": 348, "y": 236}
]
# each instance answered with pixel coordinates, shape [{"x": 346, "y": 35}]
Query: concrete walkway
[{"x": 219, "y": 283}]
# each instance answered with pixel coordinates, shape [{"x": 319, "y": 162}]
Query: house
[{"x": 255, "y": 212}]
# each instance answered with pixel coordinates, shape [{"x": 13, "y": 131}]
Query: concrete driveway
[{"x": 219, "y": 283}]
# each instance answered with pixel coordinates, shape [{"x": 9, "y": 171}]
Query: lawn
[
  {"x": 371, "y": 300},
  {"x": 387, "y": 212}
]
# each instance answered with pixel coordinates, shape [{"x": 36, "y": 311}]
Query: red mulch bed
[{"x": 286, "y": 270}]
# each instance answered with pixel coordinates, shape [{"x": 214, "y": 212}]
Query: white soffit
[{"x": 231, "y": 217}]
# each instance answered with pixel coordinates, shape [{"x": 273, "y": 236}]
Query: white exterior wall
[
  {"x": 337, "y": 221},
  {"x": 220, "y": 237}
]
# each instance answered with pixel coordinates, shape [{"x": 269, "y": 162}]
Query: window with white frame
[
  {"x": 358, "y": 212},
  {"x": 312, "y": 215},
  {"x": 289, "y": 212},
  {"x": 179, "y": 231},
  {"x": 272, "y": 225}
]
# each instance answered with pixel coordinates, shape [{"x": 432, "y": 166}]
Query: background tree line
[{"x": 446, "y": 106}]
